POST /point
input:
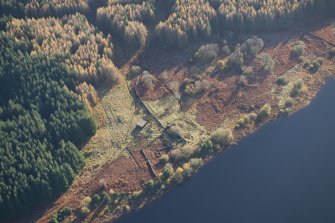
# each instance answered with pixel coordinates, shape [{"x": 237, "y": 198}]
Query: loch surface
[{"x": 284, "y": 173}]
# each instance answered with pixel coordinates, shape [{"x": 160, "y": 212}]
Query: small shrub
[
  {"x": 206, "y": 145},
  {"x": 178, "y": 176},
  {"x": 296, "y": 90},
  {"x": 106, "y": 198},
  {"x": 252, "y": 116},
  {"x": 247, "y": 70},
  {"x": 285, "y": 112},
  {"x": 288, "y": 103},
  {"x": 242, "y": 81},
  {"x": 282, "y": 80},
  {"x": 65, "y": 212},
  {"x": 147, "y": 80},
  {"x": 332, "y": 52},
  {"x": 174, "y": 87},
  {"x": 316, "y": 64},
  {"x": 246, "y": 119},
  {"x": 298, "y": 49},
  {"x": 267, "y": 62},
  {"x": 102, "y": 184},
  {"x": 222, "y": 136},
  {"x": 134, "y": 71},
  {"x": 196, "y": 163},
  {"x": 201, "y": 86},
  {"x": 190, "y": 89},
  {"x": 299, "y": 42},
  {"x": 61, "y": 215},
  {"x": 95, "y": 200},
  {"x": 235, "y": 60},
  {"x": 87, "y": 200},
  {"x": 108, "y": 72},
  {"x": 188, "y": 170},
  {"x": 207, "y": 53},
  {"x": 175, "y": 130},
  {"x": 137, "y": 194},
  {"x": 264, "y": 112},
  {"x": 84, "y": 212},
  {"x": 168, "y": 170},
  {"x": 188, "y": 150},
  {"x": 225, "y": 50},
  {"x": 320, "y": 60},
  {"x": 126, "y": 208},
  {"x": 164, "y": 76},
  {"x": 53, "y": 220},
  {"x": 164, "y": 158},
  {"x": 252, "y": 47},
  {"x": 221, "y": 65},
  {"x": 306, "y": 63},
  {"x": 111, "y": 192},
  {"x": 176, "y": 154},
  {"x": 149, "y": 186},
  {"x": 183, "y": 153}
]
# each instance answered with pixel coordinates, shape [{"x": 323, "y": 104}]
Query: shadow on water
[{"x": 284, "y": 173}]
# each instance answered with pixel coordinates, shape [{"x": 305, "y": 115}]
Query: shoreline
[{"x": 242, "y": 136}]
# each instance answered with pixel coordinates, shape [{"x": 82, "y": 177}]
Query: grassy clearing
[
  {"x": 168, "y": 112},
  {"x": 116, "y": 118},
  {"x": 165, "y": 109}
]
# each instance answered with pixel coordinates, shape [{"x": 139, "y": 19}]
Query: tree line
[{"x": 199, "y": 19}]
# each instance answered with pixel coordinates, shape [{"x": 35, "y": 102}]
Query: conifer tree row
[
  {"x": 39, "y": 8},
  {"x": 126, "y": 21},
  {"x": 199, "y": 19},
  {"x": 254, "y": 15},
  {"x": 189, "y": 20}
]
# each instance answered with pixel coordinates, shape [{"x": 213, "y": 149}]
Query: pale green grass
[
  {"x": 117, "y": 118},
  {"x": 168, "y": 112}
]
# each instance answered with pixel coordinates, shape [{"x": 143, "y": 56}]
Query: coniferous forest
[{"x": 42, "y": 123}]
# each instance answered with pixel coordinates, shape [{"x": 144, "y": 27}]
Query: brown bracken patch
[
  {"x": 327, "y": 32},
  {"x": 120, "y": 175},
  {"x": 315, "y": 47},
  {"x": 157, "y": 91},
  {"x": 278, "y": 45},
  {"x": 230, "y": 101},
  {"x": 128, "y": 174}
]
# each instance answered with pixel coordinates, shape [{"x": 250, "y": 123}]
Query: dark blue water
[{"x": 284, "y": 173}]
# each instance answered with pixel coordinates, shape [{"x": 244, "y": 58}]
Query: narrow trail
[
  {"x": 125, "y": 68},
  {"x": 315, "y": 36}
]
